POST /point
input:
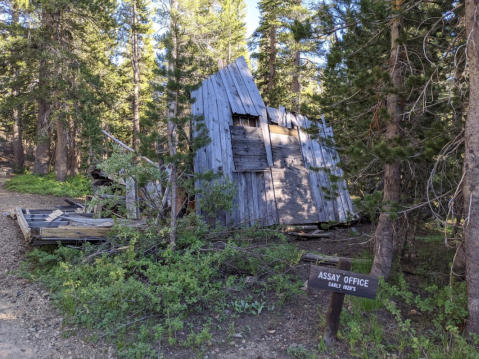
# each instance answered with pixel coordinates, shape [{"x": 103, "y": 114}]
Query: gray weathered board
[
  {"x": 342, "y": 281},
  {"x": 293, "y": 196}
]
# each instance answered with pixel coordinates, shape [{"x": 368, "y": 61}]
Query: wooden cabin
[{"x": 282, "y": 174}]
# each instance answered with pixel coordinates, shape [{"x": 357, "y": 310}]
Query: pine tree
[{"x": 385, "y": 117}]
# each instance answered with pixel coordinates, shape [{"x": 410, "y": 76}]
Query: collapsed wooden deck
[{"x": 63, "y": 224}]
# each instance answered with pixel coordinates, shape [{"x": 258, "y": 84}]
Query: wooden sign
[
  {"x": 343, "y": 281},
  {"x": 340, "y": 281}
]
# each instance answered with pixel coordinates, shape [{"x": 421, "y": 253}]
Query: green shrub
[{"x": 77, "y": 186}]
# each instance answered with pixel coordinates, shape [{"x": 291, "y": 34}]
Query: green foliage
[
  {"x": 135, "y": 290},
  {"x": 428, "y": 325},
  {"x": 77, "y": 186},
  {"x": 217, "y": 195}
]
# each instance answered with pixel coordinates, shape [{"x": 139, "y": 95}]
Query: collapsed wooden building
[{"x": 283, "y": 169}]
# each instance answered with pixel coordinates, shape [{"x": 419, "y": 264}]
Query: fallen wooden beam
[
  {"x": 311, "y": 257},
  {"x": 300, "y": 228},
  {"x": 23, "y": 224},
  {"x": 311, "y": 235},
  {"x": 72, "y": 232}
]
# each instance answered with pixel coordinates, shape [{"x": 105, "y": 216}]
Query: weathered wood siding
[
  {"x": 282, "y": 173},
  {"x": 232, "y": 91}
]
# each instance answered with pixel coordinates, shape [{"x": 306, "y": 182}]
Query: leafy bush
[
  {"x": 136, "y": 281},
  {"x": 77, "y": 186}
]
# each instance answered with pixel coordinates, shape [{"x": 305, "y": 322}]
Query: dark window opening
[{"x": 246, "y": 121}]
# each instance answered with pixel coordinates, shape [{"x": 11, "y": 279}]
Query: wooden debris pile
[{"x": 66, "y": 224}]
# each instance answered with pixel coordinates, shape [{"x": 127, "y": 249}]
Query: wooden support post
[{"x": 335, "y": 308}]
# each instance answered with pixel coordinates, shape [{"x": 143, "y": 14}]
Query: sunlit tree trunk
[
  {"x": 135, "y": 62},
  {"x": 42, "y": 152},
  {"x": 471, "y": 168},
  {"x": 171, "y": 126},
  {"x": 272, "y": 59},
  {"x": 18, "y": 152}
]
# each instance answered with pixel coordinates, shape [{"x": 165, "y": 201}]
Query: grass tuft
[{"x": 77, "y": 186}]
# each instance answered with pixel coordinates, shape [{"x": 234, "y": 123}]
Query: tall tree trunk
[
  {"x": 295, "y": 81},
  {"x": 74, "y": 153},
  {"x": 171, "y": 126},
  {"x": 135, "y": 62},
  {"x": 385, "y": 232},
  {"x": 471, "y": 168},
  {"x": 272, "y": 60},
  {"x": 42, "y": 152},
  {"x": 61, "y": 160},
  {"x": 18, "y": 151}
]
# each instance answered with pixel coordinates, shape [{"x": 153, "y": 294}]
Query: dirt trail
[{"x": 29, "y": 326}]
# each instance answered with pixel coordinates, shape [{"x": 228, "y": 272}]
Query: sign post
[{"x": 341, "y": 282}]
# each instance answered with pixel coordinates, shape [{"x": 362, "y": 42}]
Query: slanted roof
[{"x": 243, "y": 95}]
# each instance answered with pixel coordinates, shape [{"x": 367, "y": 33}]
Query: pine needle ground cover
[{"x": 77, "y": 186}]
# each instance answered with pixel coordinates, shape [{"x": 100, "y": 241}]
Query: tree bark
[
  {"x": 385, "y": 235},
  {"x": 272, "y": 60},
  {"x": 171, "y": 126},
  {"x": 42, "y": 152},
  {"x": 61, "y": 158},
  {"x": 295, "y": 82},
  {"x": 136, "y": 79},
  {"x": 61, "y": 161},
  {"x": 471, "y": 168},
  {"x": 18, "y": 151}
]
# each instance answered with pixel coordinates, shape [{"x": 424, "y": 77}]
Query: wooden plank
[
  {"x": 22, "y": 223},
  {"x": 199, "y": 160},
  {"x": 344, "y": 193},
  {"x": 132, "y": 205},
  {"x": 311, "y": 227},
  {"x": 320, "y": 163},
  {"x": 232, "y": 93},
  {"x": 313, "y": 175},
  {"x": 282, "y": 116},
  {"x": 261, "y": 195},
  {"x": 283, "y": 130},
  {"x": 248, "y": 148},
  {"x": 311, "y": 235},
  {"x": 320, "y": 258},
  {"x": 238, "y": 212},
  {"x": 330, "y": 158},
  {"x": 216, "y": 146},
  {"x": 243, "y": 92},
  {"x": 73, "y": 232},
  {"x": 273, "y": 114},
  {"x": 226, "y": 120},
  {"x": 289, "y": 117},
  {"x": 286, "y": 151},
  {"x": 284, "y": 140},
  {"x": 293, "y": 196},
  {"x": 253, "y": 163},
  {"x": 242, "y": 133},
  {"x": 272, "y": 210}
]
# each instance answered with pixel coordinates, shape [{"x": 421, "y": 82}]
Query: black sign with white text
[{"x": 341, "y": 281}]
